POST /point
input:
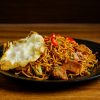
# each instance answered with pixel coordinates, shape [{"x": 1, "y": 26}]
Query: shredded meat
[
  {"x": 73, "y": 67},
  {"x": 60, "y": 73}
]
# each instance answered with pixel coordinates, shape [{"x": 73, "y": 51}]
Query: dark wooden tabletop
[{"x": 14, "y": 90}]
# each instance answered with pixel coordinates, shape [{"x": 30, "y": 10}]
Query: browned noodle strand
[{"x": 54, "y": 61}]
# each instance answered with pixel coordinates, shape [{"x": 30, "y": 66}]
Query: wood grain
[{"x": 14, "y": 90}]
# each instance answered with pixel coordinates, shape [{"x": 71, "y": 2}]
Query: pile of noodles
[{"x": 51, "y": 62}]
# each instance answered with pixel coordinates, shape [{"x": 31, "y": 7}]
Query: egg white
[{"x": 23, "y": 51}]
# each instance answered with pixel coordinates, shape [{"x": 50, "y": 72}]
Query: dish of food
[{"x": 50, "y": 57}]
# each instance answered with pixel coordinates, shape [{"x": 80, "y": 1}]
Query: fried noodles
[{"x": 63, "y": 58}]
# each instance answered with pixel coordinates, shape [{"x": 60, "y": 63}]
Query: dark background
[{"x": 49, "y": 11}]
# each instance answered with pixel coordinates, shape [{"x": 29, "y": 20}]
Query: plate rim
[{"x": 80, "y": 79}]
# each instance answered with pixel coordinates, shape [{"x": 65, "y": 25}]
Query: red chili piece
[
  {"x": 53, "y": 35},
  {"x": 53, "y": 40},
  {"x": 70, "y": 39}
]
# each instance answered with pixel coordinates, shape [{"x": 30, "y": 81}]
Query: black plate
[{"x": 95, "y": 47}]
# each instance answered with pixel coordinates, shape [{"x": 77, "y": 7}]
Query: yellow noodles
[{"x": 61, "y": 61}]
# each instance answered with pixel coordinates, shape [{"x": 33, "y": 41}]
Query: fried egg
[{"x": 23, "y": 51}]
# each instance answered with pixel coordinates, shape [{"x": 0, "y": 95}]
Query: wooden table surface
[{"x": 16, "y": 90}]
